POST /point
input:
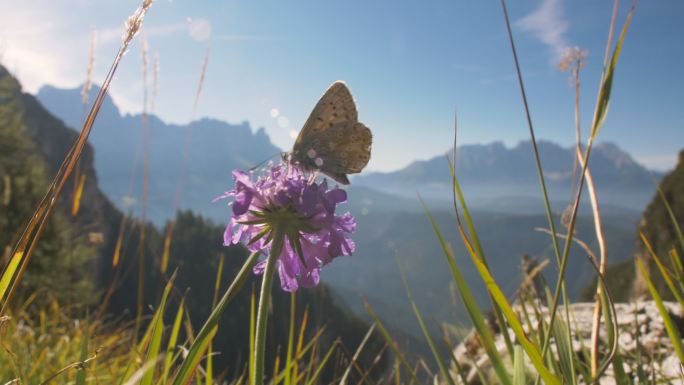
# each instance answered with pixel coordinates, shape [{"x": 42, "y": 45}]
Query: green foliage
[
  {"x": 661, "y": 228},
  {"x": 659, "y": 225},
  {"x": 60, "y": 263},
  {"x": 51, "y": 344},
  {"x": 46, "y": 343},
  {"x": 196, "y": 252},
  {"x": 32, "y": 142}
]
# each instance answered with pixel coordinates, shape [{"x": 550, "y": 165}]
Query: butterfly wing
[
  {"x": 345, "y": 148},
  {"x": 332, "y": 140},
  {"x": 335, "y": 106}
]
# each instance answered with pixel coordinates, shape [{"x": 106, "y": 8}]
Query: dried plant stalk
[
  {"x": 597, "y": 219},
  {"x": 36, "y": 225},
  {"x": 184, "y": 165},
  {"x": 145, "y": 187}
]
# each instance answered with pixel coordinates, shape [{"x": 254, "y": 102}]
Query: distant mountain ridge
[
  {"x": 216, "y": 148},
  {"x": 389, "y": 217},
  {"x": 490, "y": 171},
  {"x": 492, "y": 175}
]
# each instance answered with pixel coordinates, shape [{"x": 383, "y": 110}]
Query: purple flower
[{"x": 286, "y": 203}]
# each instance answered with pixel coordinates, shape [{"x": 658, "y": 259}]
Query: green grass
[{"x": 57, "y": 344}]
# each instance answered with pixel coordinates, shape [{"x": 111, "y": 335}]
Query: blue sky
[{"x": 408, "y": 64}]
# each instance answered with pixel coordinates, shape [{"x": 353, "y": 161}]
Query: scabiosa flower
[{"x": 286, "y": 208}]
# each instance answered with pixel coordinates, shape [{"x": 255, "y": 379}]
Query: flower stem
[{"x": 262, "y": 313}]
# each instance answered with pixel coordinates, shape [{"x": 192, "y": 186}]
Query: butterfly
[{"x": 333, "y": 141}]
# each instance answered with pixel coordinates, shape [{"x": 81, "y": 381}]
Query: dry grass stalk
[
  {"x": 188, "y": 140},
  {"x": 85, "y": 91},
  {"x": 78, "y": 194},
  {"x": 597, "y": 213},
  {"x": 200, "y": 84},
  {"x": 183, "y": 168},
  {"x": 155, "y": 82},
  {"x": 36, "y": 225},
  {"x": 145, "y": 187}
]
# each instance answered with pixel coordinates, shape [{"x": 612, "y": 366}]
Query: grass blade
[
  {"x": 357, "y": 353},
  {"x": 531, "y": 350},
  {"x": 8, "y": 274},
  {"x": 519, "y": 366},
  {"x": 561, "y": 334},
  {"x": 421, "y": 322},
  {"x": 81, "y": 375},
  {"x": 673, "y": 219},
  {"x": 300, "y": 342},
  {"x": 390, "y": 342},
  {"x": 670, "y": 326},
  {"x": 166, "y": 253},
  {"x": 607, "y": 85},
  {"x": 119, "y": 242},
  {"x": 173, "y": 337},
  {"x": 252, "y": 321},
  {"x": 663, "y": 271},
  {"x": 321, "y": 365},
  {"x": 217, "y": 286},
  {"x": 621, "y": 377},
  {"x": 36, "y": 225},
  {"x": 76, "y": 203},
  {"x": 471, "y": 306},
  {"x": 310, "y": 346},
  {"x": 208, "y": 331},
  {"x": 158, "y": 322},
  {"x": 474, "y": 237}
]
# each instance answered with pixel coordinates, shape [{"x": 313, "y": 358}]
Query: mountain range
[
  {"x": 494, "y": 177},
  {"x": 500, "y": 182},
  {"x": 215, "y": 149},
  {"x": 34, "y": 143},
  {"x": 493, "y": 173}
]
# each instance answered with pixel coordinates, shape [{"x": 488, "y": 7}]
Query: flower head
[
  {"x": 283, "y": 207},
  {"x": 573, "y": 57}
]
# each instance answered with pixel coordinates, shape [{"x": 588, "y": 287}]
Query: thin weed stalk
[
  {"x": 357, "y": 353},
  {"x": 145, "y": 187},
  {"x": 575, "y": 59},
  {"x": 200, "y": 343},
  {"x": 184, "y": 165},
  {"x": 457, "y": 194},
  {"x": 540, "y": 173},
  {"x": 262, "y": 312},
  {"x": 79, "y": 180},
  {"x": 36, "y": 225}
]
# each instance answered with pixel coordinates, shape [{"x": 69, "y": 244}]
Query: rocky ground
[{"x": 642, "y": 338}]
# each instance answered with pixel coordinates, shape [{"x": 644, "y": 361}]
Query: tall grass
[
  {"x": 563, "y": 364},
  {"x": 168, "y": 237},
  {"x": 52, "y": 346},
  {"x": 23, "y": 250}
]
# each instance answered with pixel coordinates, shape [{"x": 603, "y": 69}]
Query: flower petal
[{"x": 286, "y": 196}]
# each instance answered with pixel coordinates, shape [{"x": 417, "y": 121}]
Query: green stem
[
  {"x": 262, "y": 313},
  {"x": 206, "y": 333}
]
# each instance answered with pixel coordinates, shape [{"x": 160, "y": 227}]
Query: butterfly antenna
[{"x": 266, "y": 160}]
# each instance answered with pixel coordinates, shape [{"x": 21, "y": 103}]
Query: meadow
[{"x": 129, "y": 317}]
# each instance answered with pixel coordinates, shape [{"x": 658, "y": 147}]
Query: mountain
[
  {"x": 491, "y": 172},
  {"x": 493, "y": 177},
  {"x": 34, "y": 143},
  {"x": 662, "y": 232},
  {"x": 57, "y": 261},
  {"x": 390, "y": 218},
  {"x": 373, "y": 272},
  {"x": 216, "y": 148}
]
